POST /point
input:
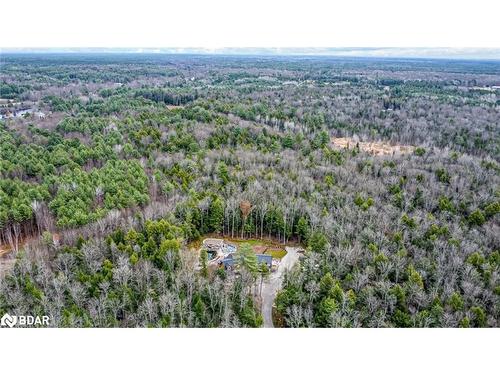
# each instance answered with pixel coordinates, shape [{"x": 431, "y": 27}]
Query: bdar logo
[
  {"x": 24, "y": 320},
  {"x": 7, "y": 320}
]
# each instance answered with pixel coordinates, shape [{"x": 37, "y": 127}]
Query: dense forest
[{"x": 112, "y": 165}]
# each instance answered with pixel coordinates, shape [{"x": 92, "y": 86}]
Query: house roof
[{"x": 265, "y": 258}]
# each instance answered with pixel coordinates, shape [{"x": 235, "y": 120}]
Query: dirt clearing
[{"x": 378, "y": 148}]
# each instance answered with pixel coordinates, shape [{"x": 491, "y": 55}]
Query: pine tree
[
  {"x": 246, "y": 258},
  {"x": 216, "y": 215},
  {"x": 203, "y": 261},
  {"x": 302, "y": 229}
]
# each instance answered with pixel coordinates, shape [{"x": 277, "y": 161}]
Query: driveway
[{"x": 271, "y": 286}]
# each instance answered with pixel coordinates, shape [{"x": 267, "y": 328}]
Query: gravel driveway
[{"x": 273, "y": 284}]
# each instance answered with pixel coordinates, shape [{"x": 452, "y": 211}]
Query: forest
[{"x": 112, "y": 165}]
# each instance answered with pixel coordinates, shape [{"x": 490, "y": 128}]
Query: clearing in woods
[{"x": 374, "y": 147}]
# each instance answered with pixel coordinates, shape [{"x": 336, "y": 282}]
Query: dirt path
[{"x": 273, "y": 284}]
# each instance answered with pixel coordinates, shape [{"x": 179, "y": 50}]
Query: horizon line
[{"x": 454, "y": 53}]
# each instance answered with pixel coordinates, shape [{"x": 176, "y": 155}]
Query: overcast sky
[{"x": 251, "y": 23}]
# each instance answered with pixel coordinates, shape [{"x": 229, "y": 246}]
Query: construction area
[{"x": 377, "y": 148}]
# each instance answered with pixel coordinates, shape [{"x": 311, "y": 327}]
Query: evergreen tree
[
  {"x": 247, "y": 259},
  {"x": 216, "y": 215}
]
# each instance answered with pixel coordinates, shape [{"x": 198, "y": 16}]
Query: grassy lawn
[
  {"x": 250, "y": 241},
  {"x": 276, "y": 253}
]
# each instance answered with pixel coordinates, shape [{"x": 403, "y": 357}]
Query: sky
[{"x": 213, "y": 24}]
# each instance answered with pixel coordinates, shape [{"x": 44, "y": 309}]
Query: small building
[
  {"x": 228, "y": 263},
  {"x": 265, "y": 258}
]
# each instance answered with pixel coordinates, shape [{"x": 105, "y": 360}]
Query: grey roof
[{"x": 265, "y": 258}]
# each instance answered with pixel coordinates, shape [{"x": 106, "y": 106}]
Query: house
[{"x": 265, "y": 258}]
